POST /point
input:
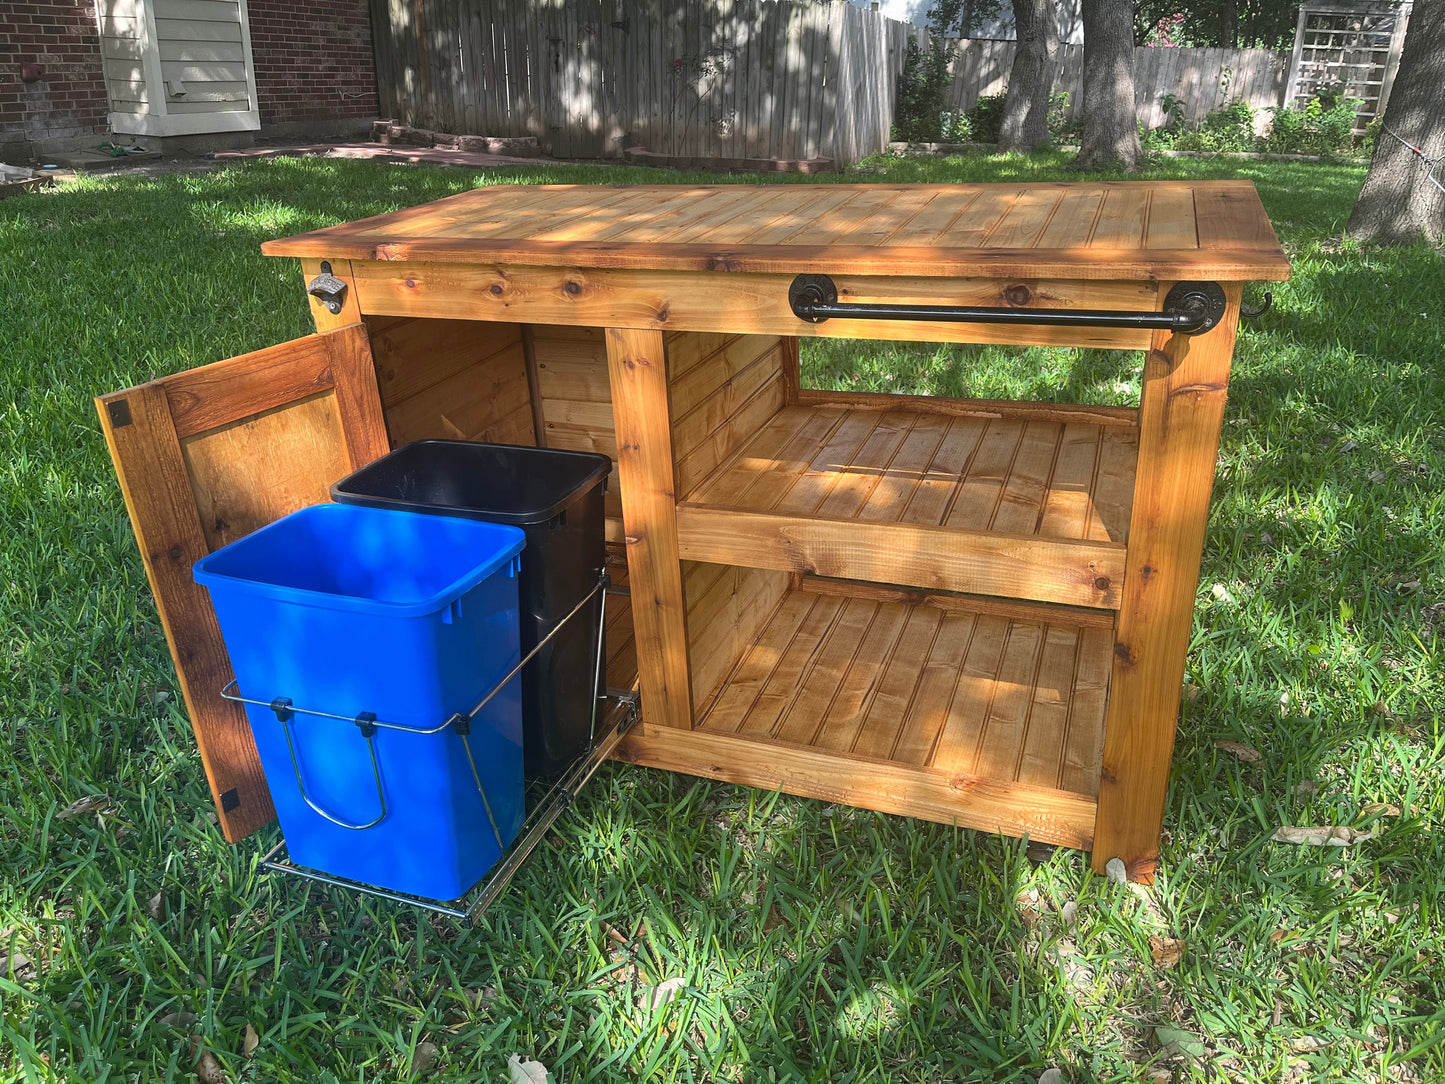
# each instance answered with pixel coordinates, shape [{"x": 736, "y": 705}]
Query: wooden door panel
[{"x": 209, "y": 455}]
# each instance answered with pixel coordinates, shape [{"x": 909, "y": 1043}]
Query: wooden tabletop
[{"x": 1164, "y": 230}]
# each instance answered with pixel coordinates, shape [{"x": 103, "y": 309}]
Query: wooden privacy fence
[
  {"x": 1202, "y": 79},
  {"x": 590, "y": 78}
]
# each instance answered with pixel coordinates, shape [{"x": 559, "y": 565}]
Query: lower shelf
[{"x": 978, "y": 719}]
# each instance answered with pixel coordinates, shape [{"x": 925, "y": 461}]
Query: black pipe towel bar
[{"x": 1190, "y": 308}]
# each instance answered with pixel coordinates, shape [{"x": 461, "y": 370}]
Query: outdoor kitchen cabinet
[{"x": 974, "y": 612}]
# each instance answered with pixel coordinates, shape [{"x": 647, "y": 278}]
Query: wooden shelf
[
  {"x": 978, "y": 719},
  {"x": 1033, "y": 504}
]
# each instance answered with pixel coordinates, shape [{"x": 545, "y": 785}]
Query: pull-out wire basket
[{"x": 546, "y": 800}]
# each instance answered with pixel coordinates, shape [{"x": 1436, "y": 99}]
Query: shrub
[
  {"x": 922, "y": 82},
  {"x": 1062, "y": 128},
  {"x": 985, "y": 119},
  {"x": 1227, "y": 129},
  {"x": 1326, "y": 126}
]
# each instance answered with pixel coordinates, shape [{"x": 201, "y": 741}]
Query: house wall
[
  {"x": 313, "y": 67},
  {"x": 313, "y": 61},
  {"x": 68, "y": 101}
]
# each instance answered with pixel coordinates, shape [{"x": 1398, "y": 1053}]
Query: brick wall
[
  {"x": 68, "y": 99},
  {"x": 313, "y": 60},
  {"x": 313, "y": 65}
]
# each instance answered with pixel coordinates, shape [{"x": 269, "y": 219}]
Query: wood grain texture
[
  {"x": 576, "y": 401},
  {"x": 1021, "y": 609},
  {"x": 621, "y": 648},
  {"x": 964, "y": 692},
  {"x": 324, "y": 318},
  {"x": 1186, "y": 379},
  {"x": 737, "y": 302},
  {"x": 1126, "y": 417},
  {"x": 995, "y": 230},
  {"x": 1013, "y": 809},
  {"x": 454, "y": 380},
  {"x": 726, "y": 606},
  {"x": 186, "y": 497},
  {"x": 638, "y": 368},
  {"x": 1010, "y": 471},
  {"x": 251, "y": 472},
  {"x": 1078, "y": 573}
]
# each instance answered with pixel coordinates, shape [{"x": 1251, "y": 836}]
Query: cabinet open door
[{"x": 209, "y": 455}]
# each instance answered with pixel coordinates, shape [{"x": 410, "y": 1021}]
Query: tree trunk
[
  {"x": 1399, "y": 204},
  {"x": 1111, "y": 123},
  {"x": 1031, "y": 78}
]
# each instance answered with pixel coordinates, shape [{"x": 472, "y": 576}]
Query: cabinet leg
[
  {"x": 1186, "y": 379},
  {"x": 637, "y": 366}
]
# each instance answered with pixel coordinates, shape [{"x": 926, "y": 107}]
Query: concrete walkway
[{"x": 438, "y": 156}]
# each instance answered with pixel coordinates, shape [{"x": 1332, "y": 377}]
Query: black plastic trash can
[{"x": 556, "y": 498}]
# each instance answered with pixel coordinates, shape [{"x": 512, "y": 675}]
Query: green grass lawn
[{"x": 815, "y": 942}]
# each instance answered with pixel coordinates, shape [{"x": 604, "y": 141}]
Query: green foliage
[
  {"x": 1230, "y": 24},
  {"x": 1227, "y": 129},
  {"x": 985, "y": 119},
  {"x": 817, "y": 942},
  {"x": 1062, "y": 128},
  {"x": 1325, "y": 126},
  {"x": 922, "y": 86}
]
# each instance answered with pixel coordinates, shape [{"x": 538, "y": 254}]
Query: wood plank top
[{"x": 1152, "y": 230}]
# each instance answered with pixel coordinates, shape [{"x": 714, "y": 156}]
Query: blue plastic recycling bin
[{"x": 411, "y": 618}]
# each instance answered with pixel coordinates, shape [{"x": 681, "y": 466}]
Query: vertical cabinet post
[
  {"x": 350, "y": 313},
  {"x": 637, "y": 368},
  {"x": 1181, "y": 410}
]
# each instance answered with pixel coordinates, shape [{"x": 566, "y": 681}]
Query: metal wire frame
[
  {"x": 556, "y": 799},
  {"x": 554, "y": 802}
]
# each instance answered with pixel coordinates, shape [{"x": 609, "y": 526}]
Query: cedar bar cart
[{"x": 974, "y": 612}]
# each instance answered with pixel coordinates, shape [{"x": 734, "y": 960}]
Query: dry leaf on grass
[
  {"x": 177, "y": 1020},
  {"x": 250, "y": 1042},
  {"x": 1306, "y": 788},
  {"x": 1308, "y": 1044},
  {"x": 1166, "y": 951},
  {"x": 1247, "y": 753},
  {"x": 1051, "y": 1076},
  {"x": 1176, "y": 1041},
  {"x": 666, "y": 991},
  {"x": 89, "y": 804},
  {"x": 1380, "y": 809},
  {"x": 19, "y": 965},
  {"x": 526, "y": 1072},
  {"x": 1069, "y": 912},
  {"x": 482, "y": 997},
  {"x": 1039, "y": 853},
  {"x": 1330, "y": 835},
  {"x": 1116, "y": 871},
  {"x": 424, "y": 1058},
  {"x": 156, "y": 905},
  {"x": 208, "y": 1069}
]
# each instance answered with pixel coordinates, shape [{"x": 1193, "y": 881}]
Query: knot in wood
[
  {"x": 572, "y": 287},
  {"x": 1018, "y": 294}
]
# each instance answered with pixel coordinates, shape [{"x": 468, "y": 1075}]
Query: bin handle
[{"x": 366, "y": 723}]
